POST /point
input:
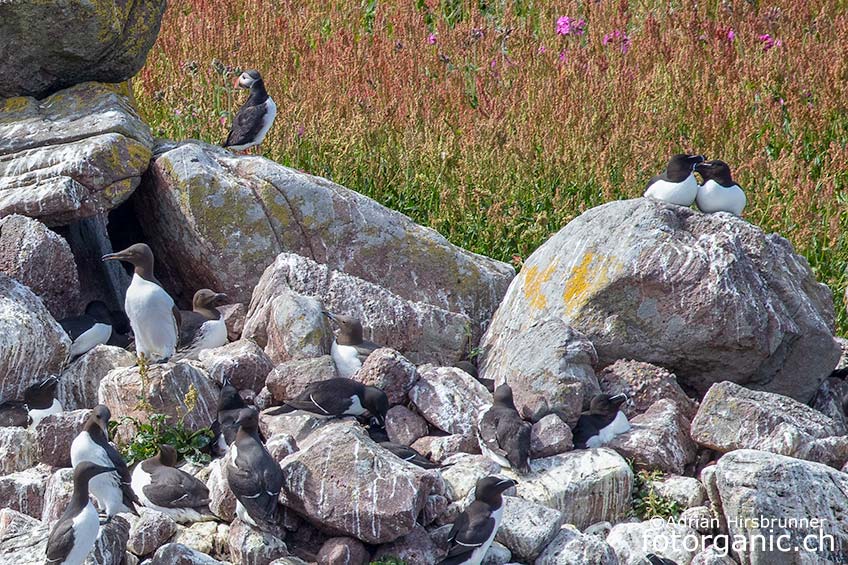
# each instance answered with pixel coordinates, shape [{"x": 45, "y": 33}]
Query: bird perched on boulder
[
  {"x": 677, "y": 184},
  {"x": 338, "y": 397},
  {"x": 90, "y": 329},
  {"x": 202, "y": 327},
  {"x": 74, "y": 534},
  {"x": 230, "y": 404},
  {"x": 602, "y": 422},
  {"x": 719, "y": 193},
  {"x": 474, "y": 529},
  {"x": 254, "y": 476},
  {"x": 256, "y": 115},
  {"x": 503, "y": 436},
  {"x": 349, "y": 349},
  {"x": 399, "y": 450},
  {"x": 112, "y": 490},
  {"x": 171, "y": 491},
  {"x": 39, "y": 402},
  {"x": 153, "y": 316}
]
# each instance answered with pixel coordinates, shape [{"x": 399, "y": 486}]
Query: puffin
[
  {"x": 349, "y": 349},
  {"x": 73, "y": 536},
  {"x": 203, "y": 327},
  {"x": 474, "y": 529},
  {"x": 154, "y": 317},
  {"x": 503, "y": 436},
  {"x": 719, "y": 193},
  {"x": 334, "y": 398},
  {"x": 230, "y": 404},
  {"x": 677, "y": 184},
  {"x": 90, "y": 329},
  {"x": 254, "y": 476},
  {"x": 171, "y": 491},
  {"x": 256, "y": 115},
  {"x": 113, "y": 490},
  {"x": 39, "y": 402},
  {"x": 402, "y": 451},
  {"x": 601, "y": 423}
]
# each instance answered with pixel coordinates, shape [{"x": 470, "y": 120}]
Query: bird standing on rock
[
  {"x": 153, "y": 316},
  {"x": 203, "y": 327},
  {"x": 39, "y": 402},
  {"x": 255, "y": 117},
  {"x": 602, "y": 422},
  {"x": 73, "y": 536},
  {"x": 334, "y": 398},
  {"x": 677, "y": 184},
  {"x": 404, "y": 452},
  {"x": 503, "y": 436},
  {"x": 90, "y": 329},
  {"x": 349, "y": 349},
  {"x": 719, "y": 193},
  {"x": 230, "y": 404}
]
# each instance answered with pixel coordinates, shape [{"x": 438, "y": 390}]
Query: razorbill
[
  {"x": 474, "y": 529},
  {"x": 503, "y": 436},
  {"x": 719, "y": 193},
  {"x": 113, "y": 490},
  {"x": 230, "y": 403},
  {"x": 601, "y": 423},
  {"x": 349, "y": 349},
  {"x": 339, "y": 397},
  {"x": 677, "y": 184},
  {"x": 153, "y": 316},
  {"x": 39, "y": 402},
  {"x": 73, "y": 536},
  {"x": 171, "y": 491},
  {"x": 254, "y": 476},
  {"x": 88, "y": 330},
  {"x": 202, "y": 327},
  {"x": 654, "y": 559},
  {"x": 256, "y": 115},
  {"x": 399, "y": 450}
]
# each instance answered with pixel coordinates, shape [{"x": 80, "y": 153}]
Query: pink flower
[
  {"x": 177, "y": 112},
  {"x": 731, "y": 35},
  {"x": 568, "y": 26},
  {"x": 541, "y": 49},
  {"x": 223, "y": 121},
  {"x": 493, "y": 64},
  {"x": 431, "y": 39},
  {"x": 300, "y": 130},
  {"x": 617, "y": 36},
  {"x": 562, "y": 56},
  {"x": 768, "y": 41}
]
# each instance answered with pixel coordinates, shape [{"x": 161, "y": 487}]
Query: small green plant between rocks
[
  {"x": 389, "y": 561},
  {"x": 647, "y": 503}
]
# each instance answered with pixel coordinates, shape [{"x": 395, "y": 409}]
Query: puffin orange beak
[{"x": 236, "y": 82}]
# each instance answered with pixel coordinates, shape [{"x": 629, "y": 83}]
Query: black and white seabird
[
  {"x": 719, "y": 193},
  {"x": 39, "y": 402},
  {"x": 474, "y": 529},
  {"x": 171, "y": 491},
  {"x": 601, "y": 423},
  {"x": 73, "y": 536},
  {"x": 503, "y": 436},
  {"x": 256, "y": 115},
  {"x": 203, "y": 327},
  {"x": 399, "y": 450},
  {"x": 153, "y": 316},
  {"x": 654, "y": 559},
  {"x": 90, "y": 329},
  {"x": 339, "y": 397},
  {"x": 113, "y": 491},
  {"x": 677, "y": 184},
  {"x": 349, "y": 349},
  {"x": 254, "y": 476},
  {"x": 230, "y": 404}
]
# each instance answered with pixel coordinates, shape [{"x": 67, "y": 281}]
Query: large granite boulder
[
  {"x": 644, "y": 384},
  {"x": 449, "y": 399},
  {"x": 34, "y": 345},
  {"x": 527, "y": 528},
  {"x": 81, "y": 380},
  {"x": 241, "y": 362},
  {"x": 75, "y": 154},
  {"x": 707, "y": 296},
  {"x": 224, "y": 218},
  {"x": 571, "y": 547},
  {"x": 17, "y": 449},
  {"x": 633, "y": 541},
  {"x": 23, "y": 539},
  {"x": 24, "y": 491},
  {"x": 74, "y": 41}
]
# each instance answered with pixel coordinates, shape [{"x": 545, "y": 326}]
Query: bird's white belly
[
  {"x": 356, "y": 408},
  {"x": 38, "y": 415},
  {"x": 91, "y": 338},
  {"x": 680, "y": 193},
  {"x": 618, "y": 426},
  {"x": 150, "y": 310},
  {"x": 346, "y": 359},
  {"x": 105, "y": 487},
  {"x": 478, "y": 554},
  {"x": 241, "y": 512},
  {"x": 499, "y": 459},
  {"x": 712, "y": 197},
  {"x": 86, "y": 526},
  {"x": 212, "y": 334}
]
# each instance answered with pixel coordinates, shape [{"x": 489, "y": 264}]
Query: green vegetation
[
  {"x": 647, "y": 503},
  {"x": 389, "y": 561}
]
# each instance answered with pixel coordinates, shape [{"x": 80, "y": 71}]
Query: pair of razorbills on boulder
[{"x": 677, "y": 185}]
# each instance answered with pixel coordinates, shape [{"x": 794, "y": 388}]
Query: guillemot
[
  {"x": 503, "y": 436},
  {"x": 719, "y": 193},
  {"x": 73, "y": 536},
  {"x": 225, "y": 426},
  {"x": 203, "y": 327},
  {"x": 90, "y": 329},
  {"x": 112, "y": 490},
  {"x": 255, "y": 117},
  {"x": 474, "y": 529},
  {"x": 39, "y": 402},
  {"x": 339, "y": 397},
  {"x": 677, "y": 184},
  {"x": 601, "y": 423},
  {"x": 153, "y": 316},
  {"x": 171, "y": 491},
  {"x": 349, "y": 349}
]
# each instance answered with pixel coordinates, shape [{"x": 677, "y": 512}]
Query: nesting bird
[
  {"x": 256, "y": 115},
  {"x": 399, "y": 450},
  {"x": 225, "y": 426},
  {"x": 203, "y": 327},
  {"x": 112, "y": 490},
  {"x": 677, "y": 184},
  {"x": 39, "y": 402},
  {"x": 171, "y": 491},
  {"x": 719, "y": 193},
  {"x": 474, "y": 529},
  {"x": 334, "y": 398},
  {"x": 601, "y": 423},
  {"x": 90, "y": 329},
  {"x": 349, "y": 349},
  {"x": 153, "y": 316},
  {"x": 74, "y": 534},
  {"x": 503, "y": 436}
]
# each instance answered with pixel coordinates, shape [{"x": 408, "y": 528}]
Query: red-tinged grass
[{"x": 496, "y": 140}]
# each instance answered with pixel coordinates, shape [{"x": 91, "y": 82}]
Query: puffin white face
[{"x": 245, "y": 80}]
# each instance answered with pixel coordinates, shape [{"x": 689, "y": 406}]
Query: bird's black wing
[
  {"x": 256, "y": 488},
  {"x": 246, "y": 125},
  {"x": 408, "y": 454},
  {"x": 130, "y": 498},
  {"x": 75, "y": 326},
  {"x": 190, "y": 323},
  {"x": 516, "y": 445},
  {"x": 173, "y": 488},
  {"x": 13, "y": 413},
  {"x": 364, "y": 349},
  {"x": 487, "y": 428},
  {"x": 61, "y": 542},
  {"x": 583, "y": 430},
  {"x": 654, "y": 559},
  {"x": 467, "y": 534}
]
